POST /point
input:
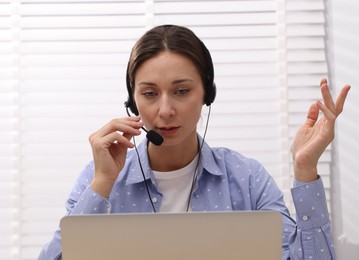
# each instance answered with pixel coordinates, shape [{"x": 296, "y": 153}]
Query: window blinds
[
  {"x": 63, "y": 74},
  {"x": 9, "y": 134},
  {"x": 306, "y": 65}
]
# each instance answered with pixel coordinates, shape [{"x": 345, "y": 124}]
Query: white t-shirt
[{"x": 175, "y": 187}]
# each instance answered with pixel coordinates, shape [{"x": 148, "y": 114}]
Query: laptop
[{"x": 173, "y": 236}]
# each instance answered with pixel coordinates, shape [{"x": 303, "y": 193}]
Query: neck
[{"x": 170, "y": 158}]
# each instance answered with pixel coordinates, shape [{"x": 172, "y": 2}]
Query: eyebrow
[
  {"x": 181, "y": 81},
  {"x": 146, "y": 83},
  {"x": 178, "y": 81}
]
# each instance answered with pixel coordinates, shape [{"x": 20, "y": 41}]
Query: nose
[{"x": 166, "y": 107}]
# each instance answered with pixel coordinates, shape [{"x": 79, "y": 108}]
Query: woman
[{"x": 169, "y": 79}]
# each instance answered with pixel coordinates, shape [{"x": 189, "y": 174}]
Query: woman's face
[{"x": 169, "y": 96}]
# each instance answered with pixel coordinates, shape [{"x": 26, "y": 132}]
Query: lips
[{"x": 170, "y": 130}]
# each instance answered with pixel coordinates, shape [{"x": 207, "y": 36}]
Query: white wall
[{"x": 345, "y": 68}]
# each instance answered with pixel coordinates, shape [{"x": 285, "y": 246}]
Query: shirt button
[
  {"x": 154, "y": 200},
  {"x": 305, "y": 218}
]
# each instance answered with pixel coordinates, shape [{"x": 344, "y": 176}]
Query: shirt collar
[{"x": 209, "y": 163}]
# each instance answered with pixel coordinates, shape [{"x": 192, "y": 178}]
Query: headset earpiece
[
  {"x": 210, "y": 86},
  {"x": 130, "y": 103},
  {"x": 210, "y": 94}
]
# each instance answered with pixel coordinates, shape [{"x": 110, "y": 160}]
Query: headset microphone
[
  {"x": 151, "y": 135},
  {"x": 154, "y": 137}
]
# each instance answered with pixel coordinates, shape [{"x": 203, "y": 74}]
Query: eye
[
  {"x": 149, "y": 93},
  {"x": 182, "y": 91}
]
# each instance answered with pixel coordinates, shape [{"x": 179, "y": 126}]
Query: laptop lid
[{"x": 172, "y": 236}]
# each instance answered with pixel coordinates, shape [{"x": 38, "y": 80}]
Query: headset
[
  {"x": 209, "y": 85},
  {"x": 157, "y": 139}
]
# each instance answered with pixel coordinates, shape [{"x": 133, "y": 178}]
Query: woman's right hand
[{"x": 109, "y": 147}]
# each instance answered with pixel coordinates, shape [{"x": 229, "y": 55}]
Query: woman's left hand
[{"x": 313, "y": 137}]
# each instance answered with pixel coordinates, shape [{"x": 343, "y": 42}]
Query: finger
[
  {"x": 339, "y": 103},
  {"x": 328, "y": 114},
  {"x": 99, "y": 141},
  {"x": 327, "y": 97},
  {"x": 312, "y": 115},
  {"x": 128, "y": 136},
  {"x": 116, "y": 138},
  {"x": 323, "y": 81},
  {"x": 124, "y": 125}
]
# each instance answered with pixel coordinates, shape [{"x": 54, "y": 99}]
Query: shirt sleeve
[
  {"x": 313, "y": 237},
  {"x": 89, "y": 202},
  {"x": 82, "y": 200},
  {"x": 309, "y": 237}
]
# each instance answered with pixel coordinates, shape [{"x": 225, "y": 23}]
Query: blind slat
[
  {"x": 82, "y": 9},
  {"x": 214, "y": 7},
  {"x": 36, "y": 22}
]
